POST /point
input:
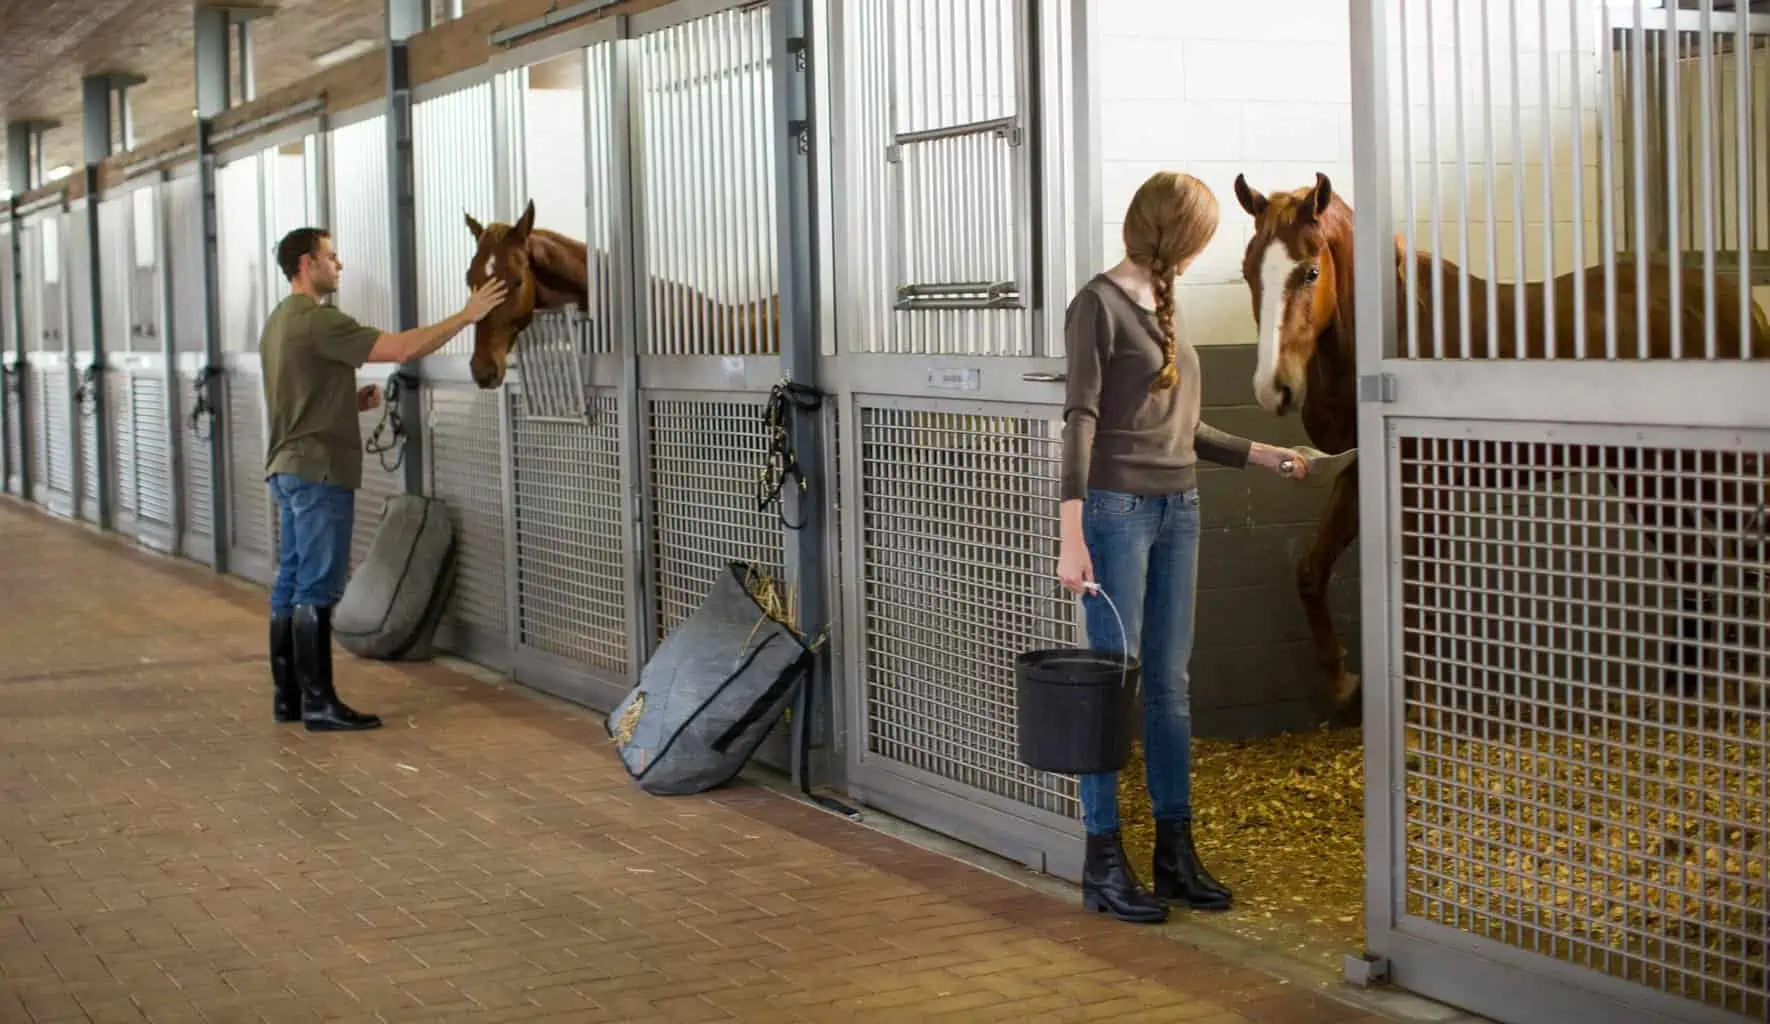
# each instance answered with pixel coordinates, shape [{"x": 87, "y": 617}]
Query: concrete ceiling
[{"x": 47, "y": 45}]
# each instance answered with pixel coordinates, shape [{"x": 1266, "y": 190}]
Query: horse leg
[{"x": 1338, "y": 527}]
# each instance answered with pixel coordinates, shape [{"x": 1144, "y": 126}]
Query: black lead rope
[
  {"x": 391, "y": 425},
  {"x": 780, "y": 461},
  {"x": 202, "y": 412}
]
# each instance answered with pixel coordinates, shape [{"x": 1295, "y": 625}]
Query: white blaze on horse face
[
  {"x": 491, "y": 265},
  {"x": 1275, "y": 272}
]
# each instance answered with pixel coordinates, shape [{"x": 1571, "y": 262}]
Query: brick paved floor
[{"x": 167, "y": 853}]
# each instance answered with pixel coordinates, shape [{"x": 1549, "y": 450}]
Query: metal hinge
[
  {"x": 796, "y": 47},
  {"x": 800, "y": 131},
  {"x": 1376, "y": 387}
]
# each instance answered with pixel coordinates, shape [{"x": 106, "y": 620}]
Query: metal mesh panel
[
  {"x": 452, "y": 150},
  {"x": 554, "y": 354},
  {"x": 467, "y": 472},
  {"x": 58, "y": 428},
  {"x": 704, "y": 460},
  {"x": 958, "y": 533},
  {"x": 240, "y": 253},
  {"x": 153, "y": 454},
  {"x": 250, "y": 502},
  {"x": 359, "y": 220},
  {"x": 122, "y": 439},
  {"x": 188, "y": 296},
  {"x": 708, "y": 191},
  {"x": 887, "y": 93},
  {"x": 199, "y": 518},
  {"x": 378, "y": 486},
  {"x": 571, "y": 509},
  {"x": 87, "y": 412},
  {"x": 1585, "y": 662},
  {"x": 43, "y": 385}
]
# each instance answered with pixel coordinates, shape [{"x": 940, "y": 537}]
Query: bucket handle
[{"x": 1097, "y": 590}]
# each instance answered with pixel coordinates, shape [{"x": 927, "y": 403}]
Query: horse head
[
  {"x": 1298, "y": 266},
  {"x": 503, "y": 253}
]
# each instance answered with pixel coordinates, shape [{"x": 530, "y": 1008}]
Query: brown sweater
[{"x": 1118, "y": 435}]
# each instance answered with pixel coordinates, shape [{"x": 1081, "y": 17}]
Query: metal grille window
[
  {"x": 452, "y": 153},
  {"x": 708, "y": 189},
  {"x": 704, "y": 500},
  {"x": 359, "y": 220},
  {"x": 153, "y": 455},
  {"x": 958, "y": 528},
  {"x": 571, "y": 510},
  {"x": 185, "y": 222},
  {"x": 1584, "y": 663},
  {"x": 553, "y": 354},
  {"x": 241, "y": 253},
  {"x": 959, "y": 152},
  {"x": 467, "y": 472}
]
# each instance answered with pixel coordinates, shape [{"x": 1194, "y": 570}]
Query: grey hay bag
[
  {"x": 396, "y": 597},
  {"x": 708, "y": 697}
]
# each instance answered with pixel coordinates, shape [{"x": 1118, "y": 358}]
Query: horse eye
[{"x": 1312, "y": 274}]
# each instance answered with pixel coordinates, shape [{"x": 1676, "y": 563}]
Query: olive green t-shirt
[{"x": 310, "y": 354}]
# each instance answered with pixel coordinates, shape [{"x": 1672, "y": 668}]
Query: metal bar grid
[
  {"x": 956, "y": 524},
  {"x": 570, "y": 506},
  {"x": 467, "y": 473},
  {"x": 1584, "y": 661},
  {"x": 151, "y": 442},
  {"x": 703, "y": 495},
  {"x": 882, "y": 92},
  {"x": 241, "y": 253},
  {"x": 706, "y": 193},
  {"x": 360, "y": 231},
  {"x": 553, "y": 355},
  {"x": 453, "y": 142}
]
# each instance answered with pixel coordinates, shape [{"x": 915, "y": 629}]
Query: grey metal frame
[
  {"x": 13, "y": 425},
  {"x": 1690, "y": 403},
  {"x": 1061, "y": 206},
  {"x": 49, "y": 384}
]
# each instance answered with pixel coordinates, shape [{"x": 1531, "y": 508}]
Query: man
[{"x": 310, "y": 353}]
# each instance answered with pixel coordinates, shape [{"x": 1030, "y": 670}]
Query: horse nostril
[{"x": 1284, "y": 397}]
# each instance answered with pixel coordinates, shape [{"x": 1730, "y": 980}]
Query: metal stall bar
[
  {"x": 948, "y": 419},
  {"x": 1563, "y": 573},
  {"x": 405, "y": 18},
  {"x": 209, "y": 387},
  {"x": 569, "y": 538}
]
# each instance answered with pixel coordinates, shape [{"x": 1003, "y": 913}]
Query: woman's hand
[
  {"x": 1286, "y": 462},
  {"x": 1075, "y": 567}
]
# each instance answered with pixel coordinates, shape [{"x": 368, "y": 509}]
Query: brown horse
[
  {"x": 544, "y": 270},
  {"x": 1299, "y": 268}
]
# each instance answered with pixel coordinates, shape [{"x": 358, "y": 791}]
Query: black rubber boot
[
  {"x": 1180, "y": 875},
  {"x": 286, "y": 704},
  {"x": 1110, "y": 886},
  {"x": 321, "y": 710}
]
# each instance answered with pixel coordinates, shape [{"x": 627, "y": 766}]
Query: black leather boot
[
  {"x": 321, "y": 710},
  {"x": 286, "y": 704},
  {"x": 1110, "y": 886},
  {"x": 1180, "y": 875}
]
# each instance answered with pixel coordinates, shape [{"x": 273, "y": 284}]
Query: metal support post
[
  {"x": 24, "y": 151},
  {"x": 405, "y": 18},
  {"x": 212, "y": 96},
  {"x": 95, "y": 119},
  {"x": 795, "y": 213}
]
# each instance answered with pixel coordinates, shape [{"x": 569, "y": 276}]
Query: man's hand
[
  {"x": 485, "y": 298},
  {"x": 368, "y": 397}
]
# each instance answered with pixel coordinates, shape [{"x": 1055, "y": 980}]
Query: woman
[{"x": 1130, "y": 521}]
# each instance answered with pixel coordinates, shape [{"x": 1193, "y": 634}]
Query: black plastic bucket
[{"x": 1078, "y": 710}]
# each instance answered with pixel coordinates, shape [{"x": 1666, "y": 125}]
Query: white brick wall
[{"x": 1262, "y": 88}]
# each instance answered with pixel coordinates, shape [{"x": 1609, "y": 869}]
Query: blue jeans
[
  {"x": 314, "y": 563},
  {"x": 1145, "y": 553}
]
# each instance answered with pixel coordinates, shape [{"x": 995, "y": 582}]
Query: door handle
[{"x": 1045, "y": 378}]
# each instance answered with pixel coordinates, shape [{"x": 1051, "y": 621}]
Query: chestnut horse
[
  {"x": 1299, "y": 268},
  {"x": 544, "y": 270}
]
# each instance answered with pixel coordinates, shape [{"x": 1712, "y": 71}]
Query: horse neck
[{"x": 560, "y": 266}]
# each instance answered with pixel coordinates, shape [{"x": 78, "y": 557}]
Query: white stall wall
[
  {"x": 555, "y": 125},
  {"x": 1262, "y": 88}
]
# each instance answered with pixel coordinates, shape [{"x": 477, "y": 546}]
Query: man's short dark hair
[{"x": 296, "y": 244}]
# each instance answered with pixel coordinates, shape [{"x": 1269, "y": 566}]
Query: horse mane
[
  {"x": 1336, "y": 225},
  {"x": 560, "y": 266}
]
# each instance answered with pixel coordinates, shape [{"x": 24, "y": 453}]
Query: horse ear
[
  {"x": 474, "y": 226},
  {"x": 1250, "y": 200},
  {"x": 1324, "y": 193},
  {"x": 524, "y": 224}
]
